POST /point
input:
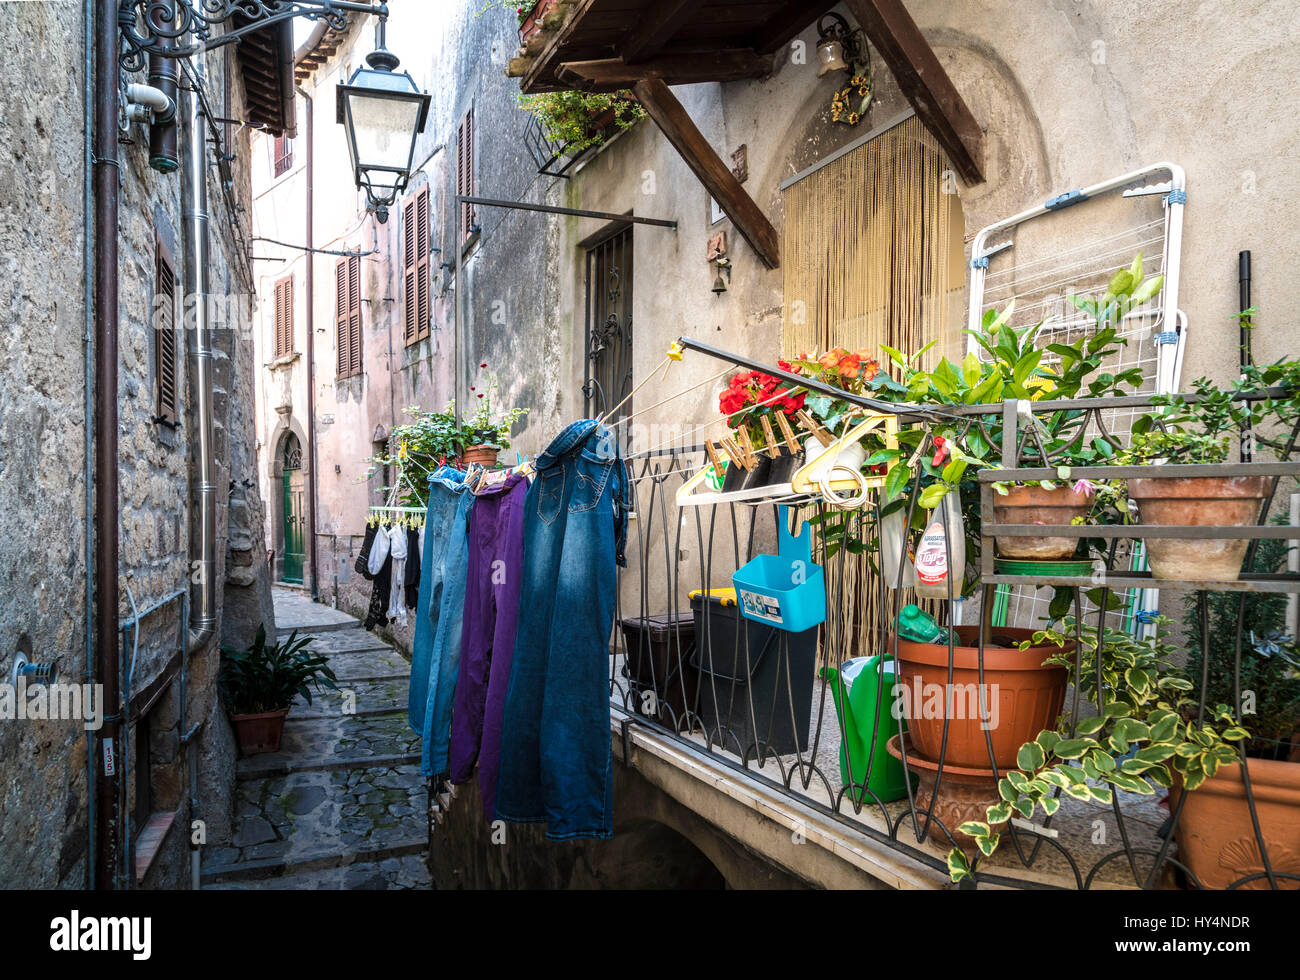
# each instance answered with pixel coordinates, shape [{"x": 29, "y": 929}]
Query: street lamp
[{"x": 382, "y": 112}]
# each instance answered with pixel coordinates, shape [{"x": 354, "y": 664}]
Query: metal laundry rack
[{"x": 1107, "y": 223}]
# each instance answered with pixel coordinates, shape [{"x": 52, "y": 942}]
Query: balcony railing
[{"x": 777, "y": 707}]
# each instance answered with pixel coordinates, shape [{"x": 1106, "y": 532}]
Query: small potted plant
[
  {"x": 1146, "y": 734},
  {"x": 260, "y": 684},
  {"x": 487, "y": 432},
  {"x": 577, "y": 121},
  {"x": 1205, "y": 430}
]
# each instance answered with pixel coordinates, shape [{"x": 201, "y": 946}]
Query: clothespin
[
  {"x": 814, "y": 427},
  {"x": 747, "y": 446},
  {"x": 712, "y": 452},
  {"x": 674, "y": 354},
  {"x": 772, "y": 446},
  {"x": 733, "y": 452},
  {"x": 791, "y": 441}
]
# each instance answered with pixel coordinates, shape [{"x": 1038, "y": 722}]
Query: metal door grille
[{"x": 608, "y": 375}]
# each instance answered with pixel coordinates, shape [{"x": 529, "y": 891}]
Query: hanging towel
[
  {"x": 379, "y": 550},
  {"x": 397, "y": 594}
]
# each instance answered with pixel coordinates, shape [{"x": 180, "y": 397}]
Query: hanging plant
[{"x": 579, "y": 120}]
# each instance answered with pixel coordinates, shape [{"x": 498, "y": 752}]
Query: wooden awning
[
  {"x": 266, "y": 63},
  {"x": 648, "y": 45}
]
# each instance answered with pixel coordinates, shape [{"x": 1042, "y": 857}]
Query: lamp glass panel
[{"x": 383, "y": 129}]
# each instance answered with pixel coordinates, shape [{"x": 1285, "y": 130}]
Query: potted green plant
[
  {"x": 1203, "y": 430},
  {"x": 1146, "y": 734},
  {"x": 578, "y": 121},
  {"x": 1215, "y": 833},
  {"x": 485, "y": 433},
  {"x": 260, "y": 684},
  {"x": 422, "y": 445}
]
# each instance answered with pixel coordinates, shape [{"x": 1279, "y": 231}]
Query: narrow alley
[{"x": 342, "y": 804}]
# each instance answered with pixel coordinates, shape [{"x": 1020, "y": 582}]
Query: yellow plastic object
[
  {"x": 726, "y": 596},
  {"x": 803, "y": 480}
]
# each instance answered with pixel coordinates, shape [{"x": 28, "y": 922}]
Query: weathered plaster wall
[{"x": 42, "y": 223}]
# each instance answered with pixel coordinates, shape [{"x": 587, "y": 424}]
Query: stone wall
[{"x": 43, "y": 809}]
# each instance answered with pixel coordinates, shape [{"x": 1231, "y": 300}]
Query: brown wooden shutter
[
  {"x": 284, "y": 317},
  {"x": 165, "y": 348},
  {"x": 347, "y": 316},
  {"x": 416, "y": 251},
  {"x": 465, "y": 172}
]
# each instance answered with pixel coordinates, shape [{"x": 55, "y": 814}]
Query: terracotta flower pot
[
  {"x": 1204, "y": 501},
  {"x": 259, "y": 733},
  {"x": 483, "y": 455},
  {"x": 1022, "y": 696},
  {"x": 1216, "y": 839},
  {"x": 1035, "y": 505},
  {"x": 964, "y": 794}
]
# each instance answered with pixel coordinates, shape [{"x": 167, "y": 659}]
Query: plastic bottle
[
  {"x": 917, "y": 625},
  {"x": 942, "y": 553},
  {"x": 891, "y": 551}
]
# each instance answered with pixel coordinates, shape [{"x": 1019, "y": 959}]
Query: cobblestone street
[{"x": 342, "y": 804}]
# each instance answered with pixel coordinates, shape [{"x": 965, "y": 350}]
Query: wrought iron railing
[{"x": 764, "y": 702}]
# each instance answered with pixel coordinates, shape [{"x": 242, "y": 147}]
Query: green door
[{"x": 294, "y": 516}]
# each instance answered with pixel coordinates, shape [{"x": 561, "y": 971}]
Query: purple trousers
[{"x": 496, "y": 558}]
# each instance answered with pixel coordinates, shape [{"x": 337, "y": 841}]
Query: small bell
[{"x": 718, "y": 285}]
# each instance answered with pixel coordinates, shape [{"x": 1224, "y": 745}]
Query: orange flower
[{"x": 850, "y": 365}]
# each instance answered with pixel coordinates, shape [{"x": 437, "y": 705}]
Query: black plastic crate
[
  {"x": 730, "y": 680},
  {"x": 659, "y": 652}
]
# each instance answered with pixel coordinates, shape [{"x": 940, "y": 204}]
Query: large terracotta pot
[
  {"x": 1036, "y": 505},
  {"x": 1216, "y": 839},
  {"x": 483, "y": 455},
  {"x": 1204, "y": 501},
  {"x": 259, "y": 733},
  {"x": 1023, "y": 696},
  {"x": 965, "y": 794}
]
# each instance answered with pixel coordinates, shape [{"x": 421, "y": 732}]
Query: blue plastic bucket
[{"x": 785, "y": 590}]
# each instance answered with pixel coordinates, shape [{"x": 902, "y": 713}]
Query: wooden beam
[
  {"x": 611, "y": 74},
  {"x": 922, "y": 79},
  {"x": 656, "y": 28},
  {"x": 789, "y": 23},
  {"x": 662, "y": 106}
]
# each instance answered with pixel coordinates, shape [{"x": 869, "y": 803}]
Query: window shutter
[
  {"x": 165, "y": 322},
  {"x": 416, "y": 251},
  {"x": 354, "y": 315},
  {"x": 284, "y": 317},
  {"x": 341, "y": 316},
  {"x": 465, "y": 172},
  {"x": 283, "y": 154}
]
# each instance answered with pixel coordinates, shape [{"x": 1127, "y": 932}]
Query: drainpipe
[
  {"x": 311, "y": 350},
  {"x": 88, "y": 407},
  {"x": 194, "y": 218},
  {"x": 106, "y": 174}
]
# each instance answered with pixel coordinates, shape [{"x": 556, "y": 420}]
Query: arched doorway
[{"x": 292, "y": 501}]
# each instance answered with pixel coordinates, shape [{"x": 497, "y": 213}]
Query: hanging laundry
[
  {"x": 362, "y": 564},
  {"x": 496, "y": 556},
  {"x": 435, "y": 651},
  {"x": 556, "y": 761},
  {"x": 397, "y": 555},
  {"x": 377, "y": 612},
  {"x": 412, "y": 567},
  {"x": 379, "y": 550}
]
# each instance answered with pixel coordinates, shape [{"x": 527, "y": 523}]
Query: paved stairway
[{"x": 342, "y": 803}]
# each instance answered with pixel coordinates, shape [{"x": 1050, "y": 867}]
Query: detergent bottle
[
  {"x": 941, "y": 557},
  {"x": 915, "y": 624}
]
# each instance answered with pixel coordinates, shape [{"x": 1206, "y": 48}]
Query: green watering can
[{"x": 870, "y": 695}]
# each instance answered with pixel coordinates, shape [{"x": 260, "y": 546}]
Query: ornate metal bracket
[{"x": 149, "y": 27}]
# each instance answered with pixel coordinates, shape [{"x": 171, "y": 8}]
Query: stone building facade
[
  {"x": 1079, "y": 92},
  {"x": 45, "y": 438}
]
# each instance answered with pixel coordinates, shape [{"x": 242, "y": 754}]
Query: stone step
[
  {"x": 388, "y": 874},
  {"x": 367, "y": 698},
  {"x": 369, "y": 663},
  {"x": 307, "y": 821},
  {"x": 297, "y": 612},
  {"x": 355, "y": 640},
  {"x": 333, "y": 743}
]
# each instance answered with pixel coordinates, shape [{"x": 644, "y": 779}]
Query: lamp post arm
[{"x": 199, "y": 17}]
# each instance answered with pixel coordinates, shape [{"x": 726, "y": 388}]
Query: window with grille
[
  {"x": 415, "y": 267},
  {"x": 283, "y": 154},
  {"x": 347, "y": 315},
  {"x": 465, "y": 173},
  {"x": 284, "y": 317},
  {"x": 165, "y": 347}
]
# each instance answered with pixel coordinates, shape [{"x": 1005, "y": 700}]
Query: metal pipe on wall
[
  {"x": 194, "y": 218},
  {"x": 106, "y": 175},
  {"x": 311, "y": 348},
  {"x": 88, "y": 404}
]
